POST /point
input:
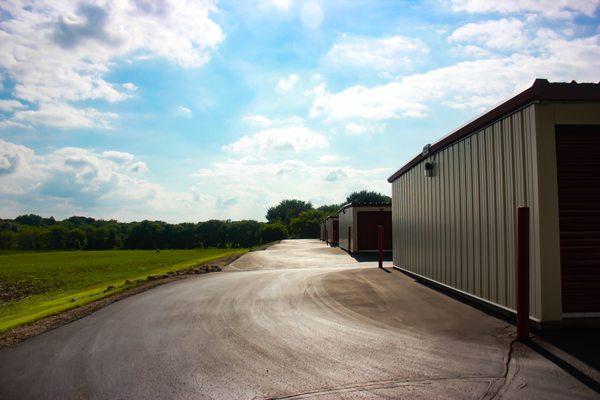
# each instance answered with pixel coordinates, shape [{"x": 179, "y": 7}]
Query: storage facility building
[
  {"x": 332, "y": 231},
  {"x": 359, "y": 226},
  {"x": 454, "y": 205}
]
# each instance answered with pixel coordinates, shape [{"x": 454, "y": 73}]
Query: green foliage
[
  {"x": 306, "y": 225},
  {"x": 366, "y": 196},
  {"x": 329, "y": 209},
  {"x": 273, "y": 232},
  {"x": 286, "y": 210}
]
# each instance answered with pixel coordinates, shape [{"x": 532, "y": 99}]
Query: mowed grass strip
[{"x": 34, "y": 285}]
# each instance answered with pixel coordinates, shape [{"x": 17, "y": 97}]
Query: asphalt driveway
[{"x": 298, "y": 320}]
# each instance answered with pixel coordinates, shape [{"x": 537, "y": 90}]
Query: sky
[{"x": 180, "y": 110}]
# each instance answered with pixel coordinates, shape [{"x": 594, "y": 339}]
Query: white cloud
[
  {"x": 277, "y": 140},
  {"x": 496, "y": 34},
  {"x": 382, "y": 54},
  {"x": 311, "y": 14},
  {"x": 184, "y": 111},
  {"x": 11, "y": 105},
  {"x": 60, "y": 115},
  {"x": 321, "y": 184},
  {"x": 59, "y": 52},
  {"x": 118, "y": 156},
  {"x": 474, "y": 85},
  {"x": 139, "y": 167},
  {"x": 555, "y": 9},
  {"x": 72, "y": 180},
  {"x": 376, "y": 103},
  {"x": 282, "y": 5},
  {"x": 287, "y": 84},
  {"x": 130, "y": 86},
  {"x": 328, "y": 159},
  {"x": 257, "y": 120}
]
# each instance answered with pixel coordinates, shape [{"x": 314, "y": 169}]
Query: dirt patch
[{"x": 23, "y": 332}]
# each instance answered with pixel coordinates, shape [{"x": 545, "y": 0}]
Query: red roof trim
[{"x": 541, "y": 90}]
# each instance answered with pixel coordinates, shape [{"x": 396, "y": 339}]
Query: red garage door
[
  {"x": 578, "y": 163},
  {"x": 336, "y": 231},
  {"x": 367, "y": 222}
]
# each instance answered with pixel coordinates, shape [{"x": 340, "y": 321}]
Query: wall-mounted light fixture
[{"x": 428, "y": 169}]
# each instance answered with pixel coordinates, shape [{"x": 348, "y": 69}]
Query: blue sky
[{"x": 190, "y": 110}]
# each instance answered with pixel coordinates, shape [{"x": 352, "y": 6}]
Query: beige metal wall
[
  {"x": 458, "y": 227},
  {"x": 346, "y": 218},
  {"x": 329, "y": 225}
]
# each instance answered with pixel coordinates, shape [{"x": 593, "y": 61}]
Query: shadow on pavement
[
  {"x": 581, "y": 343},
  {"x": 371, "y": 257},
  {"x": 569, "y": 368}
]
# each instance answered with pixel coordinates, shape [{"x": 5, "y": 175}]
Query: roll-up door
[{"x": 578, "y": 171}]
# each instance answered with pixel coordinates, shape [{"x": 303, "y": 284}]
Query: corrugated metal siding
[
  {"x": 346, "y": 220},
  {"x": 457, "y": 227},
  {"x": 332, "y": 230}
]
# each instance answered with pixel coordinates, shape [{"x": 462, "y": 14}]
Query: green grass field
[{"x": 34, "y": 285}]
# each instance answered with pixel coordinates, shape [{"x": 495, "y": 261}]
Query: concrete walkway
[{"x": 298, "y": 320}]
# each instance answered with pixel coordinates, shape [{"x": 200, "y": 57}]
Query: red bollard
[
  {"x": 522, "y": 277},
  {"x": 380, "y": 241}
]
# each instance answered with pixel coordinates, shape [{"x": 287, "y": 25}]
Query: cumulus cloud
[
  {"x": 118, "y": 156},
  {"x": 282, "y": 5},
  {"x": 500, "y": 34},
  {"x": 10, "y": 105},
  {"x": 381, "y": 54},
  {"x": 289, "y": 178},
  {"x": 475, "y": 85},
  {"x": 559, "y": 9},
  {"x": 61, "y": 115},
  {"x": 130, "y": 86},
  {"x": 257, "y": 120},
  {"x": 72, "y": 180},
  {"x": 288, "y": 83},
  {"x": 184, "y": 111},
  {"x": 292, "y": 139},
  {"x": 59, "y": 52}
]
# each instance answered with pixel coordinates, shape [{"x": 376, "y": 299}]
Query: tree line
[{"x": 290, "y": 218}]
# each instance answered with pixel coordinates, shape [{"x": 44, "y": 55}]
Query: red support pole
[
  {"x": 349, "y": 239},
  {"x": 522, "y": 273},
  {"x": 380, "y": 241}
]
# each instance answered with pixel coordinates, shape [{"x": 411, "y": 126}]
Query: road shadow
[
  {"x": 371, "y": 257},
  {"x": 581, "y": 343},
  {"x": 569, "y": 368}
]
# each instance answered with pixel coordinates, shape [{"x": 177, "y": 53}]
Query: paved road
[{"x": 298, "y": 320}]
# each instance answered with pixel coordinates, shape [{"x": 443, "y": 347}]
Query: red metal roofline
[
  {"x": 541, "y": 90},
  {"x": 363, "y": 204}
]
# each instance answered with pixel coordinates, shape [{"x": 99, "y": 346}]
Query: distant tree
[
  {"x": 286, "y": 210},
  {"x": 365, "y": 196},
  {"x": 31, "y": 239},
  {"x": 329, "y": 209},
  {"x": 273, "y": 232},
  {"x": 8, "y": 239},
  {"x": 212, "y": 233},
  {"x": 306, "y": 225},
  {"x": 245, "y": 233},
  {"x": 29, "y": 219},
  {"x": 57, "y": 238}
]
